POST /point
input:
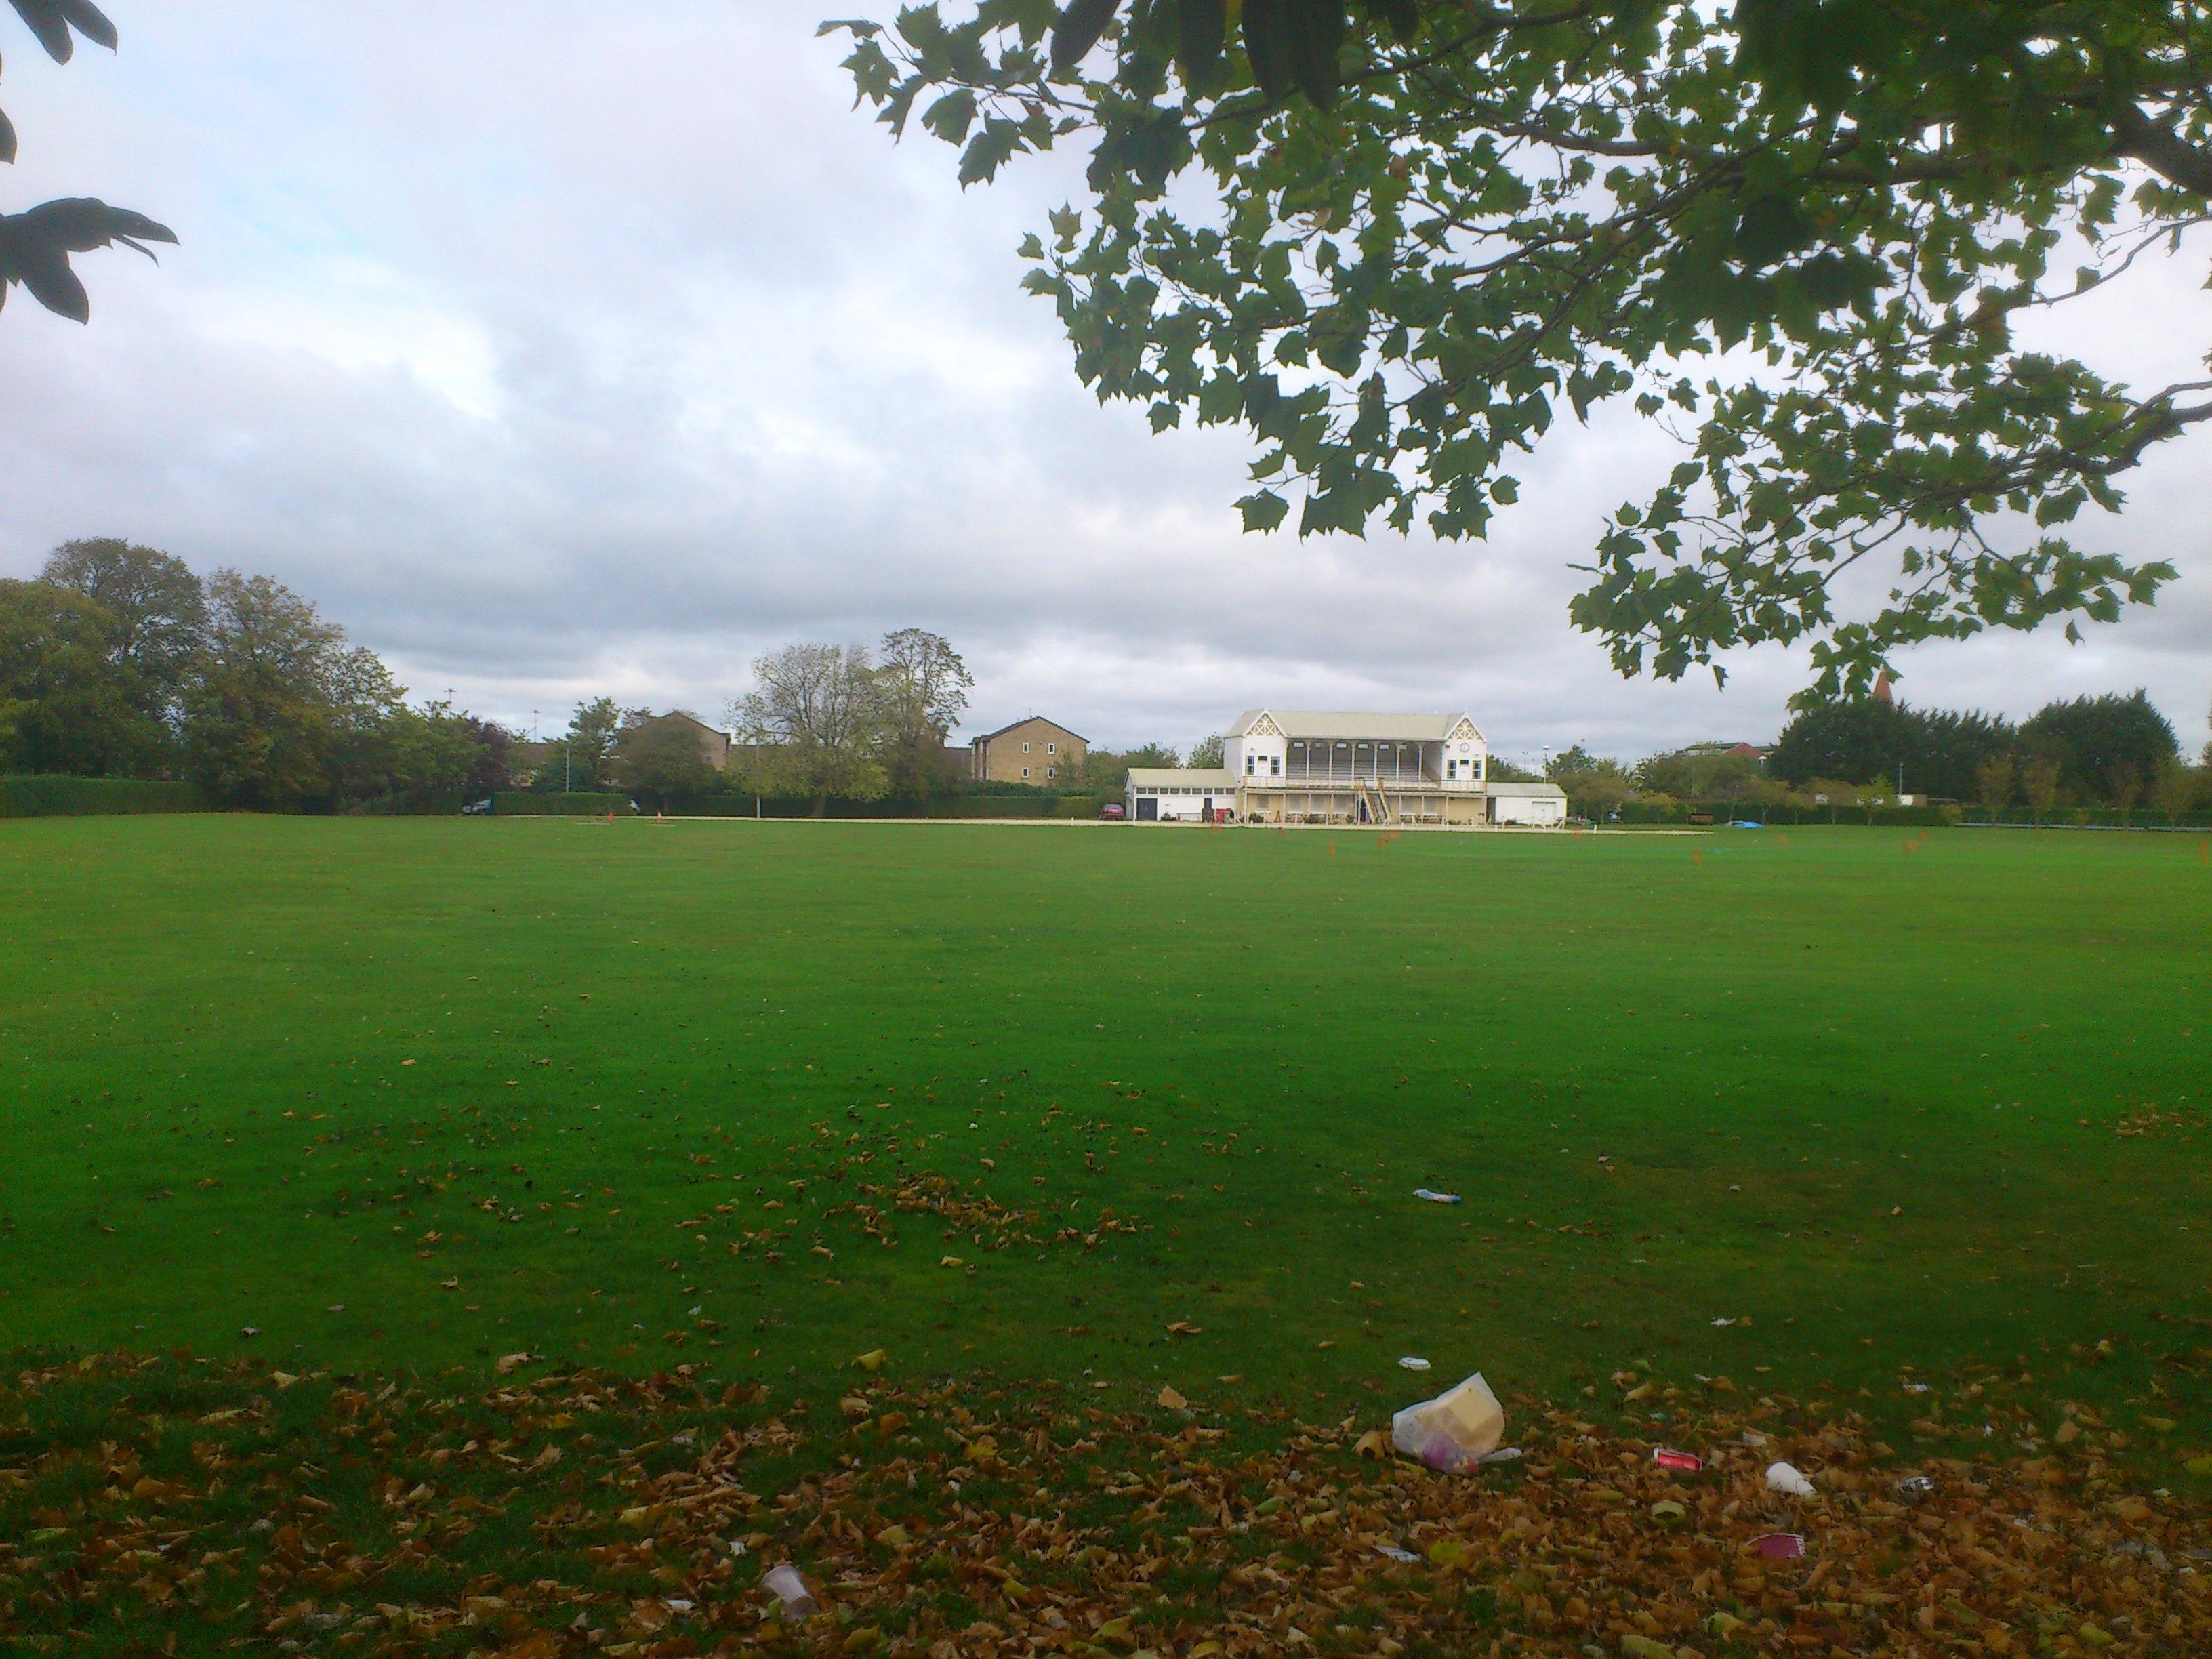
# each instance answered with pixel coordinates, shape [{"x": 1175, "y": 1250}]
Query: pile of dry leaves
[{"x": 182, "y": 1506}]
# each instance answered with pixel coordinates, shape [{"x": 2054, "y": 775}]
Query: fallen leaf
[
  {"x": 1171, "y": 1398},
  {"x": 870, "y": 1360}
]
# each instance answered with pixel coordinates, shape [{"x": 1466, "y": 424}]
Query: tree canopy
[
  {"x": 1397, "y": 240},
  {"x": 120, "y": 662},
  {"x": 35, "y": 245},
  {"x": 2108, "y": 747}
]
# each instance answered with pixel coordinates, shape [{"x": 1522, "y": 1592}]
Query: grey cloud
[{"x": 556, "y": 348}]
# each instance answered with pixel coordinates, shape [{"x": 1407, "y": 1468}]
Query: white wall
[
  {"x": 1185, "y": 809},
  {"x": 1266, "y": 755},
  {"x": 1527, "y": 809}
]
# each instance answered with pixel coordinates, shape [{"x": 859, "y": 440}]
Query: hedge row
[
  {"x": 530, "y": 803},
  {"x": 44, "y": 796},
  {"x": 2087, "y": 818},
  {"x": 1733, "y": 811},
  {"x": 938, "y": 806}
]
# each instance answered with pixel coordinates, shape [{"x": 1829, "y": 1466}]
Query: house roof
[
  {"x": 1027, "y": 720},
  {"x": 686, "y": 716},
  {"x": 1161, "y": 777},
  {"x": 1527, "y": 791},
  {"x": 1354, "y": 724}
]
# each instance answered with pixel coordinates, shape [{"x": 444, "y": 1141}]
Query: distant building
[
  {"x": 1745, "y": 751},
  {"x": 1325, "y": 766},
  {"x": 1036, "y": 750},
  {"x": 714, "y": 745}
]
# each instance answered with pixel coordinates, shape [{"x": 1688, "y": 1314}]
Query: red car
[{"x": 1112, "y": 810}]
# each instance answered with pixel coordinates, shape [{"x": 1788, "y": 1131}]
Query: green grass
[{"x": 1854, "y": 1090}]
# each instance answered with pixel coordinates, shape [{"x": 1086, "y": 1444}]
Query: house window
[
  {"x": 1250, "y": 764},
  {"x": 1052, "y": 771},
  {"x": 1025, "y": 748},
  {"x": 1026, "y": 770},
  {"x": 1051, "y": 748},
  {"x": 1274, "y": 766}
]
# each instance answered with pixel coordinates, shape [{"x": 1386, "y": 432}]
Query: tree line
[
  {"x": 119, "y": 660},
  {"x": 2103, "y": 752},
  {"x": 824, "y": 722}
]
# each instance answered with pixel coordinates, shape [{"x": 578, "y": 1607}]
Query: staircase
[{"x": 1377, "y": 804}]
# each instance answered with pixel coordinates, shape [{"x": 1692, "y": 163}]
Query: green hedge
[
  {"x": 530, "y": 803},
  {"x": 40, "y": 797},
  {"x": 1787, "y": 817},
  {"x": 2087, "y": 818},
  {"x": 1028, "y": 804}
]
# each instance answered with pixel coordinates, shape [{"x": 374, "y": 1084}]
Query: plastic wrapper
[{"x": 1452, "y": 1432}]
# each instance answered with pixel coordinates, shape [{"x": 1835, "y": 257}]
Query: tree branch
[{"x": 2163, "y": 150}]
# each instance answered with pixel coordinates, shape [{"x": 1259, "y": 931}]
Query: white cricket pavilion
[{"x": 1325, "y": 766}]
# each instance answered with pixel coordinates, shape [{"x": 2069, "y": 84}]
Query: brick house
[{"x": 1036, "y": 750}]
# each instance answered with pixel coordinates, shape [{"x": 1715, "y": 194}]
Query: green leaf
[{"x": 1263, "y": 511}]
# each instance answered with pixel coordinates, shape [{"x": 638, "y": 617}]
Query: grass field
[
  {"x": 1843, "y": 1133},
  {"x": 414, "y": 1093}
]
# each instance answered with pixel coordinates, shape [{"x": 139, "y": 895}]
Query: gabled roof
[
  {"x": 686, "y": 715},
  {"x": 1527, "y": 791},
  {"x": 1358, "y": 726},
  {"x": 1027, "y": 720}
]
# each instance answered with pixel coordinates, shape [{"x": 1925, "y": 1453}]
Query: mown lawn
[{"x": 410, "y": 1094}]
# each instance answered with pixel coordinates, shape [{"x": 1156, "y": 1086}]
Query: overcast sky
[{"x": 556, "y": 348}]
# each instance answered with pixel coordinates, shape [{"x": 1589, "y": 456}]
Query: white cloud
[{"x": 557, "y": 348}]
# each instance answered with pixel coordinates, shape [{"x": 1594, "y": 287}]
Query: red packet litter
[
  {"x": 1667, "y": 1458},
  {"x": 1780, "y": 1546}
]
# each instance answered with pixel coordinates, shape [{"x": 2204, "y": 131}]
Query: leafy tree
[
  {"x": 1705, "y": 772},
  {"x": 1869, "y": 738},
  {"x": 1105, "y": 772},
  {"x": 1150, "y": 754},
  {"x": 402, "y": 751},
  {"x": 816, "y": 715},
  {"x": 923, "y": 689},
  {"x": 35, "y": 246},
  {"x": 2038, "y": 783},
  {"x": 660, "y": 758},
  {"x": 2175, "y": 788},
  {"x": 277, "y": 695},
  {"x": 583, "y": 758},
  {"x": 1993, "y": 782},
  {"x": 62, "y": 705},
  {"x": 1596, "y": 787},
  {"x": 1397, "y": 242},
  {"x": 159, "y": 609},
  {"x": 491, "y": 743},
  {"x": 2099, "y": 742},
  {"x": 1208, "y": 750}
]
